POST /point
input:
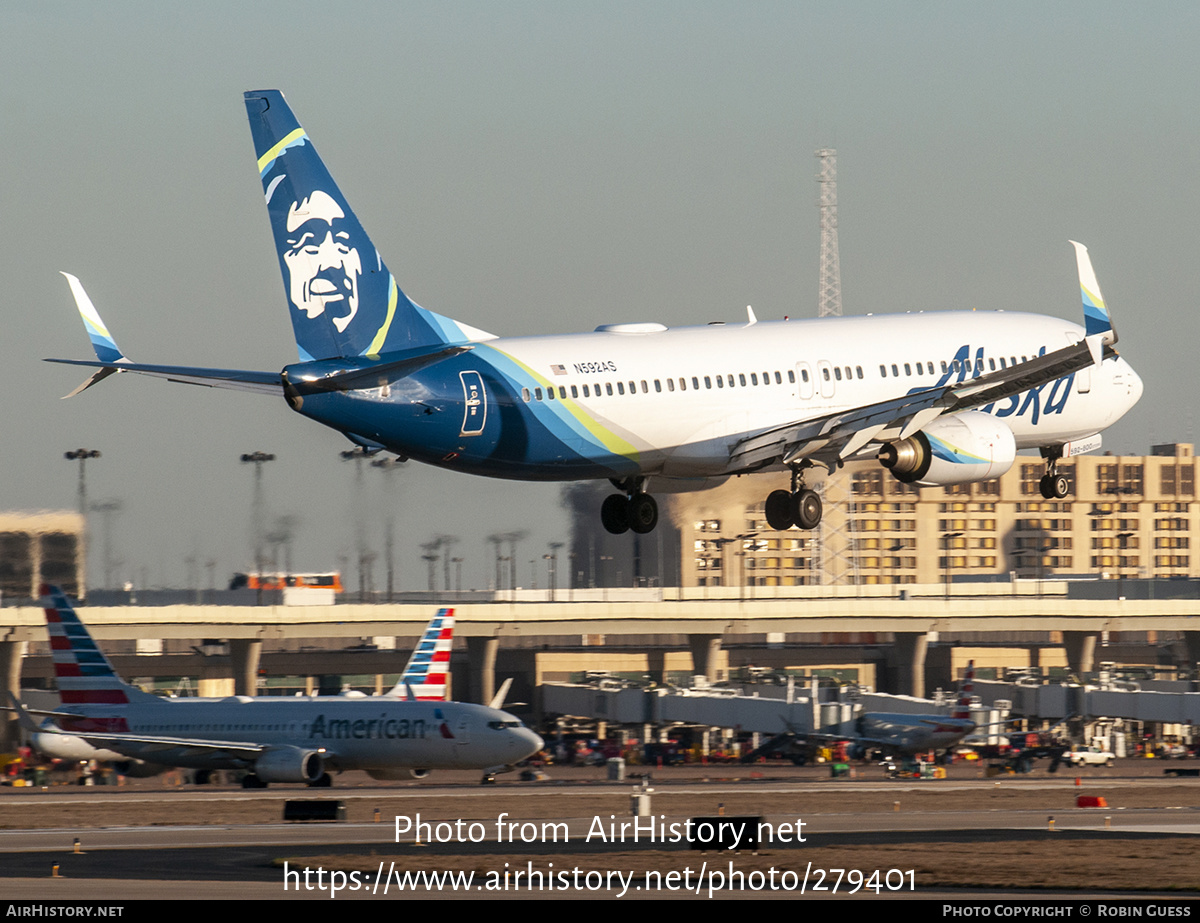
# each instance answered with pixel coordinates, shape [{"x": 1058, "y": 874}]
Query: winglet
[
  {"x": 1097, "y": 320},
  {"x": 103, "y": 343},
  {"x": 501, "y": 694},
  {"x": 25, "y": 719}
]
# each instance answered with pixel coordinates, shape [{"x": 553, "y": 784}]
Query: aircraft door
[
  {"x": 1083, "y": 378},
  {"x": 462, "y": 733},
  {"x": 825, "y": 378},
  {"x": 474, "y": 404},
  {"x": 804, "y": 380}
]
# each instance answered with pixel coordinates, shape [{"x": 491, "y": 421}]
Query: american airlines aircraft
[
  {"x": 896, "y": 734},
  {"x": 279, "y": 739},
  {"x": 909, "y": 734},
  {"x": 939, "y": 398}
]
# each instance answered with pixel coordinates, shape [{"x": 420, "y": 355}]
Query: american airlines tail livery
[
  {"x": 939, "y": 398},
  {"x": 278, "y": 739}
]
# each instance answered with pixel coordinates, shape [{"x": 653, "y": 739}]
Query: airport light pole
[
  {"x": 1123, "y": 538},
  {"x": 107, "y": 509},
  {"x": 81, "y": 456},
  {"x": 430, "y": 557},
  {"x": 447, "y": 542},
  {"x": 552, "y": 563},
  {"x": 390, "y": 463},
  {"x": 258, "y": 459},
  {"x": 949, "y": 537}
]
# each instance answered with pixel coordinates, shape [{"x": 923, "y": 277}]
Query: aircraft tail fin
[
  {"x": 424, "y": 678},
  {"x": 342, "y": 299},
  {"x": 966, "y": 692},
  {"x": 85, "y": 677}
]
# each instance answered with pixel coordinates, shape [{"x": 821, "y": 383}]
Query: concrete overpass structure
[{"x": 707, "y": 618}]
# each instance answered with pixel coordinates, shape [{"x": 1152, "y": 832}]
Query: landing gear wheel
[
  {"x": 614, "y": 514},
  {"x": 779, "y": 510},
  {"x": 252, "y": 781},
  {"x": 642, "y": 513},
  {"x": 1054, "y": 486},
  {"x": 806, "y": 509}
]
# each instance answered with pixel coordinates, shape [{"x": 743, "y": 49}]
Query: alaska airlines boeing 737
[
  {"x": 939, "y": 398},
  {"x": 278, "y": 739}
]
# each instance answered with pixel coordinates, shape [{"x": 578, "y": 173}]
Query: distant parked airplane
[{"x": 277, "y": 739}]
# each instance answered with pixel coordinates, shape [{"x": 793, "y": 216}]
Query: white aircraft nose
[
  {"x": 531, "y": 742},
  {"x": 1135, "y": 385}
]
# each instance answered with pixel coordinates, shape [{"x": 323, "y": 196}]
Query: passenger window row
[
  {"x": 752, "y": 379},
  {"x": 956, "y": 365},
  {"x": 610, "y": 388}
]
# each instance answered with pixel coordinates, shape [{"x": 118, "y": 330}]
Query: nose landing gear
[{"x": 1053, "y": 486}]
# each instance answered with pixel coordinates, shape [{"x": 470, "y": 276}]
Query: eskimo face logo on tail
[{"x": 324, "y": 267}]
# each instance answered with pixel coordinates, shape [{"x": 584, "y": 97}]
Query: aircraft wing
[
  {"x": 136, "y": 746},
  {"x": 157, "y": 749},
  {"x": 834, "y": 437}
]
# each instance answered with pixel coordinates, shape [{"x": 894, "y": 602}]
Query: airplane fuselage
[
  {"x": 644, "y": 400},
  {"x": 909, "y": 734},
  {"x": 372, "y": 733}
]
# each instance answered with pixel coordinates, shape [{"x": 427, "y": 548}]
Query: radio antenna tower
[
  {"x": 833, "y": 553},
  {"x": 829, "y": 292}
]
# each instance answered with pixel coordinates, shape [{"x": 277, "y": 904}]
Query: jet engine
[
  {"x": 289, "y": 764},
  {"x": 971, "y": 446}
]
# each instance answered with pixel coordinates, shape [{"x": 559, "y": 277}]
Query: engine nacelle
[
  {"x": 289, "y": 764},
  {"x": 971, "y": 446}
]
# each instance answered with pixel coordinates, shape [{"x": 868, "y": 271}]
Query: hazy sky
[{"x": 543, "y": 168}]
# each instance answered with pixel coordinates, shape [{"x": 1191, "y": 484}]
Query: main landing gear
[
  {"x": 1053, "y": 486},
  {"x": 797, "y": 507},
  {"x": 635, "y": 509}
]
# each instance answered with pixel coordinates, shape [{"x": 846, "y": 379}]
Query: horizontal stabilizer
[
  {"x": 234, "y": 379},
  {"x": 110, "y": 359}
]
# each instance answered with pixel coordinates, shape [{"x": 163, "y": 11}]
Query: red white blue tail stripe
[
  {"x": 429, "y": 665},
  {"x": 966, "y": 692},
  {"x": 85, "y": 677}
]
